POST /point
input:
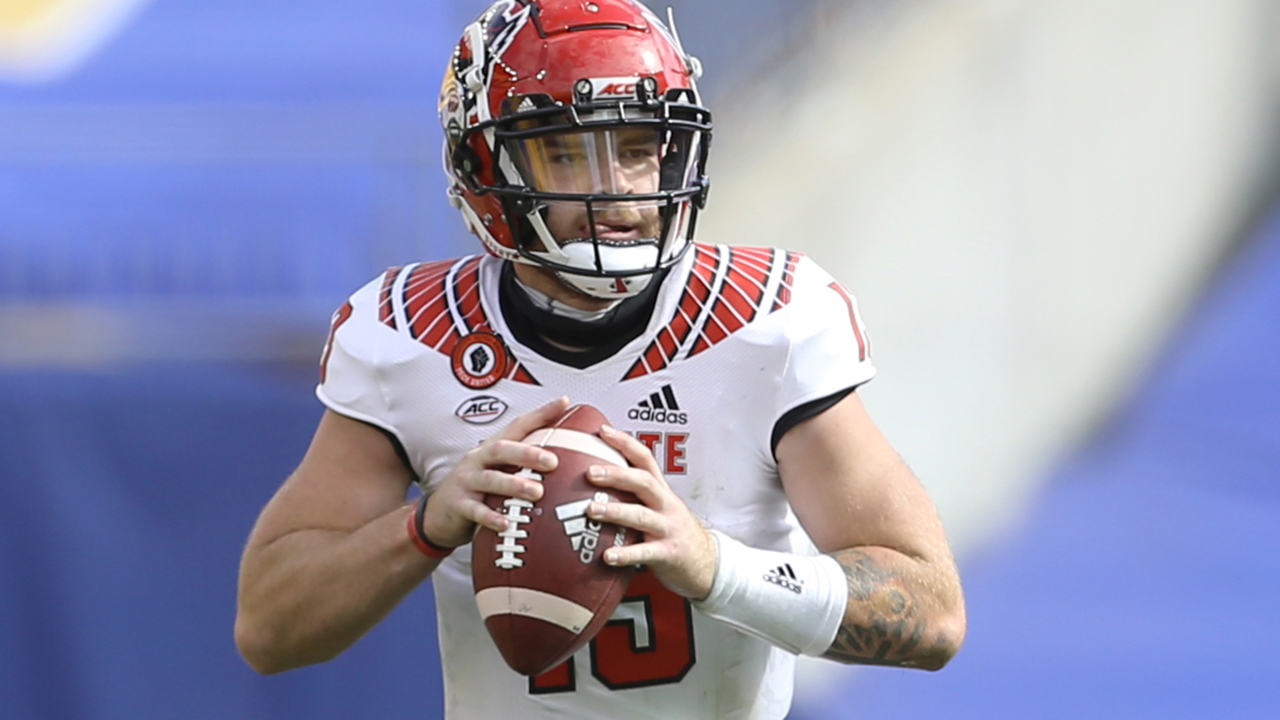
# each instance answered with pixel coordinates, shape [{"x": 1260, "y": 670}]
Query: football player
[{"x": 576, "y": 146}]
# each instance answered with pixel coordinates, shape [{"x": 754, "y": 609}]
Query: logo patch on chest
[
  {"x": 481, "y": 410},
  {"x": 479, "y": 360}
]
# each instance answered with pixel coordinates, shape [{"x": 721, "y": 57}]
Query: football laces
[{"x": 510, "y": 548}]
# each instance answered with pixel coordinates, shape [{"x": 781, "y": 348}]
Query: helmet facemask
[{"x": 603, "y": 194}]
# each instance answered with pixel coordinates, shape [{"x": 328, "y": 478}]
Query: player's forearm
[
  {"x": 308, "y": 595},
  {"x": 901, "y": 611}
]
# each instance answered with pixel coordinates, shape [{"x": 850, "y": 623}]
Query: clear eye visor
[
  {"x": 619, "y": 160},
  {"x": 604, "y": 194}
]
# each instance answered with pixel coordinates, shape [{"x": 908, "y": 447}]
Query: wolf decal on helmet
[{"x": 575, "y": 139}]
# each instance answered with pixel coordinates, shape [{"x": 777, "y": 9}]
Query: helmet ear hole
[
  {"x": 704, "y": 185},
  {"x": 521, "y": 206},
  {"x": 467, "y": 162}
]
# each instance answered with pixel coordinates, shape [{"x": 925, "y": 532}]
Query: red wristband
[{"x": 419, "y": 536}]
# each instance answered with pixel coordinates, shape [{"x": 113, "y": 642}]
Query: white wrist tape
[{"x": 796, "y": 602}]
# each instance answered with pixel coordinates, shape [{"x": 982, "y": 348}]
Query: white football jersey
[{"x": 738, "y": 337}]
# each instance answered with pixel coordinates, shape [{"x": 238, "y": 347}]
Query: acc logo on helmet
[{"x": 614, "y": 88}]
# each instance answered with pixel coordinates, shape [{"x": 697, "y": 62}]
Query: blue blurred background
[{"x": 187, "y": 190}]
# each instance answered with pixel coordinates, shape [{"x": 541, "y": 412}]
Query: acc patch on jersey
[
  {"x": 481, "y": 410},
  {"x": 479, "y": 360}
]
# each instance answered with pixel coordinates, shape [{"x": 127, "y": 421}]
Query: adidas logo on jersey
[
  {"x": 783, "y": 576},
  {"x": 584, "y": 533},
  {"x": 660, "y": 407}
]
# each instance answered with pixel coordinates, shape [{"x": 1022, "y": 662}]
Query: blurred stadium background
[{"x": 1060, "y": 216}]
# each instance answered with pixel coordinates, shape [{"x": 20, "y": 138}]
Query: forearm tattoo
[{"x": 885, "y": 624}]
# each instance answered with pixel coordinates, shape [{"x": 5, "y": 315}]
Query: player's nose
[{"x": 619, "y": 180}]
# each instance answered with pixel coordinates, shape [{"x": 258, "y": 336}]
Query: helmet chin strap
[
  {"x": 559, "y": 307},
  {"x": 606, "y": 288},
  {"x": 583, "y": 253},
  {"x": 632, "y": 256}
]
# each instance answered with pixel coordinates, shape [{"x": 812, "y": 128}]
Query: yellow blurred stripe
[{"x": 20, "y": 15}]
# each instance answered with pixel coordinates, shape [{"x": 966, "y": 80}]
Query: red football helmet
[{"x": 575, "y": 139}]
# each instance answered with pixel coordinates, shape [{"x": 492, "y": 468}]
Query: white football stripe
[
  {"x": 572, "y": 510},
  {"x": 535, "y": 604},
  {"x": 578, "y": 441}
]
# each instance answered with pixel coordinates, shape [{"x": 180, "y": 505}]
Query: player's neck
[{"x": 569, "y": 339}]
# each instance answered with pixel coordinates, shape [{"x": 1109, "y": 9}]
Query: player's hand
[
  {"x": 679, "y": 550},
  {"x": 457, "y": 506}
]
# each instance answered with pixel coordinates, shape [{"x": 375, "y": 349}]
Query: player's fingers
[
  {"x": 636, "y": 452},
  {"x": 541, "y": 417},
  {"x": 496, "y": 482},
  {"x": 638, "y": 481},
  {"x": 644, "y": 553},
  {"x": 516, "y": 454},
  {"x": 630, "y": 515},
  {"x": 481, "y": 514}
]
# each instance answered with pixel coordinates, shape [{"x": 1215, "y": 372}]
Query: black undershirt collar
[{"x": 534, "y": 326}]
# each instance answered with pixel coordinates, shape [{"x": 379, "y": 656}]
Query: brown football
[{"x": 542, "y": 586}]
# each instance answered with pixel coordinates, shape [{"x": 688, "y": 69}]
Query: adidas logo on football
[
  {"x": 584, "y": 533},
  {"x": 660, "y": 407},
  {"x": 783, "y": 576}
]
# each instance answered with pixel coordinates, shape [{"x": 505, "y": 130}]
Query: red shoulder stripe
[
  {"x": 341, "y": 316},
  {"x": 386, "y": 311},
  {"x": 670, "y": 338},
  {"x": 783, "y": 296},
  {"x": 740, "y": 297},
  {"x": 521, "y": 374},
  {"x": 864, "y": 344},
  {"x": 432, "y": 302},
  {"x": 466, "y": 293},
  {"x": 427, "y": 307}
]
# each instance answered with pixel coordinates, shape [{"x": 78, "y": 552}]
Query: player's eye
[
  {"x": 565, "y": 158},
  {"x": 637, "y": 155}
]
